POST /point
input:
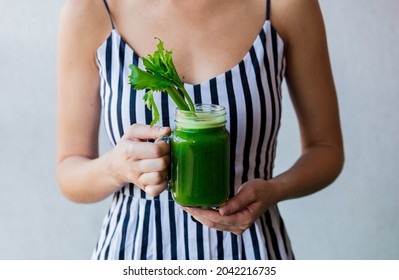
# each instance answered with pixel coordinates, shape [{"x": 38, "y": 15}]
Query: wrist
[
  {"x": 112, "y": 171},
  {"x": 276, "y": 188}
]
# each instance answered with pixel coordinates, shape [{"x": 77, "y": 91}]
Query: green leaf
[
  {"x": 151, "y": 105},
  {"x": 144, "y": 80},
  {"x": 159, "y": 75}
]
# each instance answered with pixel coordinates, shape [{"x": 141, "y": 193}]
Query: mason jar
[{"x": 200, "y": 157}]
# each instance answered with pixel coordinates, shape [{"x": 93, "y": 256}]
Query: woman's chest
[{"x": 205, "y": 41}]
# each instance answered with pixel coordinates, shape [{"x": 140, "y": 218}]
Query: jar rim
[{"x": 204, "y": 116}]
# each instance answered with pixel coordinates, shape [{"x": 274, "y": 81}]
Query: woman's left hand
[{"x": 238, "y": 213}]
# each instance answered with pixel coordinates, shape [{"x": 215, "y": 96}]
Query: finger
[
  {"x": 146, "y": 150},
  {"x": 153, "y": 179},
  {"x": 202, "y": 216},
  {"x": 212, "y": 217},
  {"x": 208, "y": 219},
  {"x": 145, "y": 132},
  {"x": 153, "y": 165},
  {"x": 155, "y": 190}
]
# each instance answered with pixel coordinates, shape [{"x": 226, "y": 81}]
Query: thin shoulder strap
[
  {"x": 268, "y": 10},
  {"x": 109, "y": 14}
]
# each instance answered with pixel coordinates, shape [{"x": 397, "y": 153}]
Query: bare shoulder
[
  {"x": 85, "y": 9},
  {"x": 292, "y": 18},
  {"x": 86, "y": 21}
]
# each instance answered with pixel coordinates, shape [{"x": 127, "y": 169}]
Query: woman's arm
[
  {"x": 311, "y": 86},
  {"x": 82, "y": 175},
  {"x": 312, "y": 90}
]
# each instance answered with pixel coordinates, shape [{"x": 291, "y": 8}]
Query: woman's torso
[{"x": 250, "y": 91}]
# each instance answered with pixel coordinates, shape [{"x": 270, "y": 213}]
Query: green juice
[{"x": 200, "y": 158}]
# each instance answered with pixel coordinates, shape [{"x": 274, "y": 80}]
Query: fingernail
[
  {"x": 194, "y": 220},
  {"x": 163, "y": 130}
]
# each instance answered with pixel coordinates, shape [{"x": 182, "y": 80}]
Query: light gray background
[{"x": 355, "y": 218}]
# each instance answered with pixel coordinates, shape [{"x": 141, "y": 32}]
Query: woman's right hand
[
  {"x": 83, "y": 175},
  {"x": 145, "y": 164}
]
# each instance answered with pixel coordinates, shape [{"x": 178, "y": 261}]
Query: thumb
[
  {"x": 146, "y": 132},
  {"x": 235, "y": 204},
  {"x": 244, "y": 197}
]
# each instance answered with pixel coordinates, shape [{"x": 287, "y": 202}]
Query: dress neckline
[{"x": 267, "y": 24}]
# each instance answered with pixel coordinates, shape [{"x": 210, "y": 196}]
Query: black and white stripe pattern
[{"x": 138, "y": 226}]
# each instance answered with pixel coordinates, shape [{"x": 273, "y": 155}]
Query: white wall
[{"x": 355, "y": 218}]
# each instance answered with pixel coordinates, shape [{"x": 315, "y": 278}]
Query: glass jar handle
[{"x": 165, "y": 138}]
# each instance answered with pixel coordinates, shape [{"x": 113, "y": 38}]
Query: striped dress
[{"x": 138, "y": 226}]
